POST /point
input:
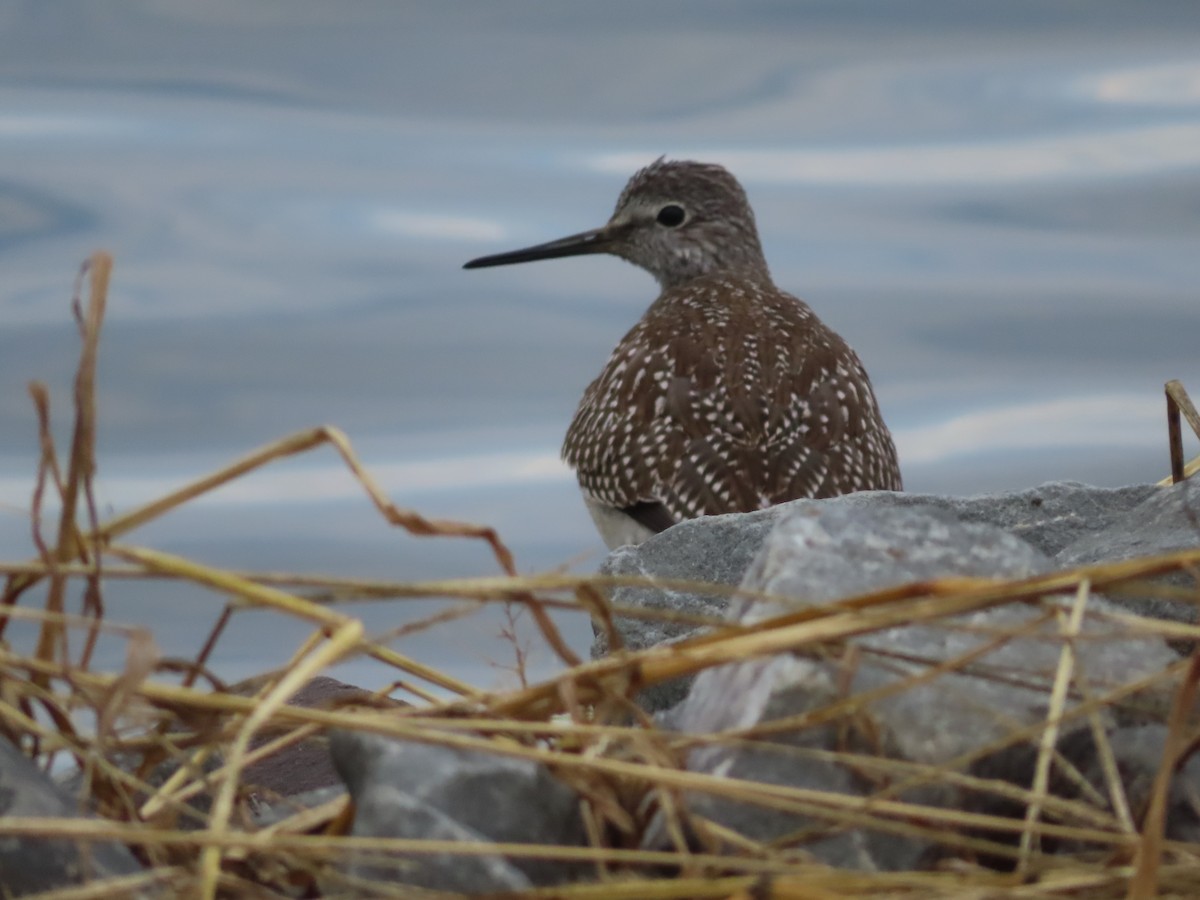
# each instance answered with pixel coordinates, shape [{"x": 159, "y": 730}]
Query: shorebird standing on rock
[{"x": 729, "y": 395}]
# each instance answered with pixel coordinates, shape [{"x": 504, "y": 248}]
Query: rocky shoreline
[{"x": 868, "y": 717}]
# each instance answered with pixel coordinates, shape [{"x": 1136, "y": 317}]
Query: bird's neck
[{"x": 682, "y": 275}]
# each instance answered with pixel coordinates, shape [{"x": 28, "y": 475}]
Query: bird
[{"x": 728, "y": 395}]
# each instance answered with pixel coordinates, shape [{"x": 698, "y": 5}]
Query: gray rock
[
  {"x": 718, "y": 550},
  {"x": 1049, "y": 517},
  {"x": 829, "y": 550},
  {"x": 714, "y": 550},
  {"x": 32, "y": 864},
  {"x": 414, "y": 790},
  {"x": 1168, "y": 521},
  {"x": 1138, "y": 753},
  {"x": 787, "y": 765},
  {"x": 391, "y": 812},
  {"x": 780, "y": 760}
]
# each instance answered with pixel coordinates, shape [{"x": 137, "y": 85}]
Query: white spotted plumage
[{"x": 750, "y": 401}]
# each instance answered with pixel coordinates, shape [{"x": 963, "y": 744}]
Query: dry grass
[{"x": 157, "y": 712}]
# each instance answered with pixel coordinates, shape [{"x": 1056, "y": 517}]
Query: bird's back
[{"x": 727, "y": 396}]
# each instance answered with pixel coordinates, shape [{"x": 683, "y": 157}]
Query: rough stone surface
[
  {"x": 779, "y": 764},
  {"x": 781, "y": 760},
  {"x": 32, "y": 864},
  {"x": 719, "y": 550},
  {"x": 822, "y": 553},
  {"x": 1048, "y": 517},
  {"x": 408, "y": 789},
  {"x": 826, "y": 551},
  {"x": 1138, "y": 753},
  {"x": 713, "y": 550},
  {"x": 1167, "y": 521}
]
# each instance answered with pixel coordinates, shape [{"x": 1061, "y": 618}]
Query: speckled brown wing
[
  {"x": 728, "y": 396},
  {"x": 831, "y": 439}
]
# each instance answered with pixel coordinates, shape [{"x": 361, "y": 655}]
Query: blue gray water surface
[{"x": 997, "y": 204}]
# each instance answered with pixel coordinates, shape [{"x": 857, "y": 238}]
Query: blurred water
[{"x": 995, "y": 203}]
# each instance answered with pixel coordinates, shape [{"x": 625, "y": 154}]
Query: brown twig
[
  {"x": 83, "y": 461},
  {"x": 1144, "y": 885},
  {"x": 1178, "y": 402}
]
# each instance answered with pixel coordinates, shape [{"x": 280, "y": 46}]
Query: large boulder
[
  {"x": 947, "y": 692},
  {"x": 1169, "y": 520},
  {"x": 718, "y": 550},
  {"x": 405, "y": 789}
]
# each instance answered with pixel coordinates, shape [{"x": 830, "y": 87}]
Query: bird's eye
[{"x": 671, "y": 216}]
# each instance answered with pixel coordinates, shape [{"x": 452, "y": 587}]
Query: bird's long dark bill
[{"x": 595, "y": 241}]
